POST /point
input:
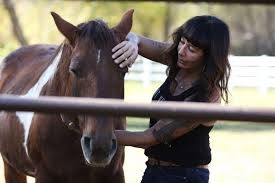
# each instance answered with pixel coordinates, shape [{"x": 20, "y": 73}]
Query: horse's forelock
[{"x": 96, "y": 32}]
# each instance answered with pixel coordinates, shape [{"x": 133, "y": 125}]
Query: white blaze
[
  {"x": 98, "y": 56},
  {"x": 25, "y": 118}
]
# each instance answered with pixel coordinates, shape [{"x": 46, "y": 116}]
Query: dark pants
[{"x": 175, "y": 174}]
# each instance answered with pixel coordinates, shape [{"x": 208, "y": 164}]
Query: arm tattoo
[
  {"x": 159, "y": 45},
  {"x": 165, "y": 133},
  {"x": 160, "y": 56}
]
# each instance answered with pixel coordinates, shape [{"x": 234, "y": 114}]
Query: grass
[
  {"x": 242, "y": 156},
  {"x": 142, "y": 123},
  {"x": 252, "y": 97}
]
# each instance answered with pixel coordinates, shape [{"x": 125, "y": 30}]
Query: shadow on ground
[
  {"x": 244, "y": 126},
  {"x": 142, "y": 123}
]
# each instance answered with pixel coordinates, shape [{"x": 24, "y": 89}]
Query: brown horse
[{"x": 65, "y": 148}]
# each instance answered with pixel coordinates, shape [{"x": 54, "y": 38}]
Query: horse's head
[{"x": 93, "y": 73}]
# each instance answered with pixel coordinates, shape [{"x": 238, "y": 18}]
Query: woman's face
[{"x": 189, "y": 56}]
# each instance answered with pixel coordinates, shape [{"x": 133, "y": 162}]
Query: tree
[
  {"x": 167, "y": 20},
  {"x": 17, "y": 31}
]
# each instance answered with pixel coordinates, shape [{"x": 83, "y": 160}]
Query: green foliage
[
  {"x": 251, "y": 26},
  {"x": 7, "y": 41}
]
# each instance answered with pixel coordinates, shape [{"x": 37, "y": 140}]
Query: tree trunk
[
  {"x": 167, "y": 21},
  {"x": 17, "y": 31}
]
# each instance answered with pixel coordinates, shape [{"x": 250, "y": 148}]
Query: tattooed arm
[
  {"x": 153, "y": 50},
  {"x": 162, "y": 132},
  {"x": 168, "y": 129}
]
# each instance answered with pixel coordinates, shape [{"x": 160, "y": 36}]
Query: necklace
[
  {"x": 183, "y": 83},
  {"x": 179, "y": 84}
]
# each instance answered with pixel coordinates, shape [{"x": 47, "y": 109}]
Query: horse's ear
[
  {"x": 66, "y": 28},
  {"x": 125, "y": 24}
]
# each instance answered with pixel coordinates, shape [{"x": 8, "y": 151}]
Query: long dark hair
[{"x": 211, "y": 35}]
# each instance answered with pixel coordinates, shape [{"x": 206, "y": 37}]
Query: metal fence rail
[{"x": 93, "y": 106}]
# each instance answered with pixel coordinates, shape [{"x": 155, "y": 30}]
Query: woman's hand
[{"x": 126, "y": 52}]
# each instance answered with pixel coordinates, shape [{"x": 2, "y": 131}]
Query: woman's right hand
[{"x": 126, "y": 52}]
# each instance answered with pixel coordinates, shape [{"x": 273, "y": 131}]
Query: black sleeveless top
[{"x": 192, "y": 148}]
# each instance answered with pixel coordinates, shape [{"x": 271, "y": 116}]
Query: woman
[{"x": 198, "y": 71}]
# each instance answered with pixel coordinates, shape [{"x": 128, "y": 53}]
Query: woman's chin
[{"x": 181, "y": 65}]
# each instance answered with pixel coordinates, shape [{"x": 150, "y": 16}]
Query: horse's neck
[{"x": 59, "y": 82}]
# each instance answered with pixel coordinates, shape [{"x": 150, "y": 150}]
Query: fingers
[
  {"x": 125, "y": 54},
  {"x": 119, "y": 49},
  {"x": 132, "y": 59},
  {"x": 125, "y": 63},
  {"x": 127, "y": 59},
  {"x": 122, "y": 53}
]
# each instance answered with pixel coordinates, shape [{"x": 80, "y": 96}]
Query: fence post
[
  {"x": 147, "y": 72},
  {"x": 263, "y": 75},
  {"x": 231, "y": 81}
]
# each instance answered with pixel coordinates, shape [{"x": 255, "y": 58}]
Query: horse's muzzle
[{"x": 98, "y": 152}]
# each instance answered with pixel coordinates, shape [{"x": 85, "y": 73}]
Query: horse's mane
[{"x": 96, "y": 32}]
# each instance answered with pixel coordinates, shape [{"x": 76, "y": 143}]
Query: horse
[{"x": 62, "y": 147}]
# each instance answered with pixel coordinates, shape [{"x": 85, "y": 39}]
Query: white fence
[{"x": 247, "y": 71}]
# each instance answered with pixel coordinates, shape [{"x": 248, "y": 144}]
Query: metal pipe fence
[{"x": 116, "y": 107}]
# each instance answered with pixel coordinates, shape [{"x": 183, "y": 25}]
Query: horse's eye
[
  {"x": 74, "y": 67},
  {"x": 75, "y": 72}
]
